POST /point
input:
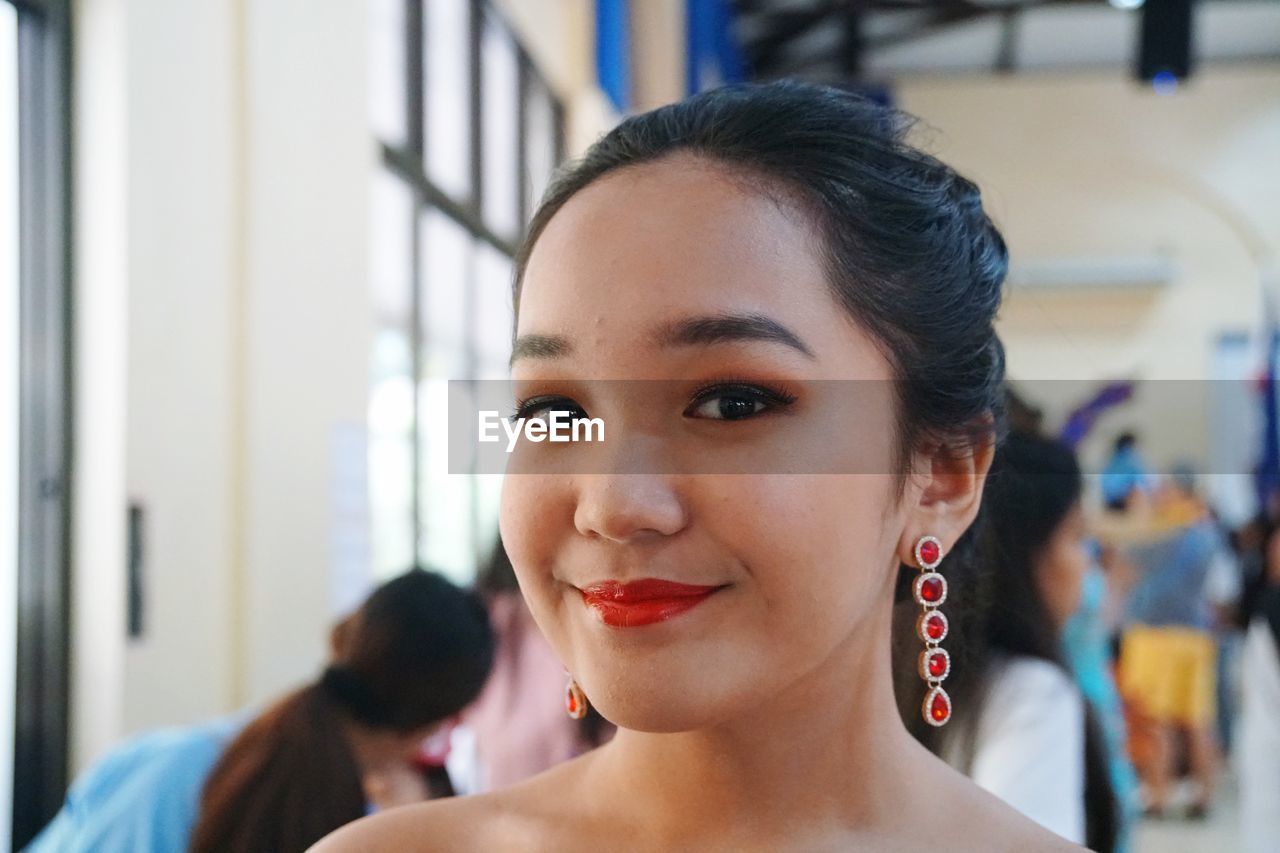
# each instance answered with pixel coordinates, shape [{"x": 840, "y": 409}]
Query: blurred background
[{"x": 245, "y": 243}]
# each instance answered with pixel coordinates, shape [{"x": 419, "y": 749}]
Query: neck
[{"x": 826, "y": 751}]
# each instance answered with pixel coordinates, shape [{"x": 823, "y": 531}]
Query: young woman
[
  {"x": 812, "y": 300},
  {"x": 1022, "y": 728},
  {"x": 412, "y": 656}
]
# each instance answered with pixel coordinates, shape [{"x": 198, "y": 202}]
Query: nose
[{"x": 624, "y": 507}]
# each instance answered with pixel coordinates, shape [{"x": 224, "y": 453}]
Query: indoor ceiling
[{"x": 872, "y": 40}]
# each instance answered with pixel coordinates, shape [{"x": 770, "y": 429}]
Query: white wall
[
  {"x": 183, "y": 234},
  {"x": 222, "y": 184},
  {"x": 1097, "y": 166},
  {"x": 659, "y": 44},
  {"x": 224, "y": 169},
  {"x": 308, "y": 329},
  {"x": 101, "y": 326},
  {"x": 250, "y": 337}
]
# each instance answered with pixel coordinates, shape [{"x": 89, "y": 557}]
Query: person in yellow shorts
[{"x": 1167, "y": 672}]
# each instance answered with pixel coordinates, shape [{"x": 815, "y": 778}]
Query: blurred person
[
  {"x": 406, "y": 662},
  {"x": 1259, "y": 725},
  {"x": 1087, "y": 639},
  {"x": 1023, "y": 729},
  {"x": 815, "y": 297},
  {"x": 1223, "y": 592},
  {"x": 1125, "y": 473},
  {"x": 1168, "y": 656},
  {"x": 518, "y": 722}
]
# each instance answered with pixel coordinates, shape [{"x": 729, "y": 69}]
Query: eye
[
  {"x": 736, "y": 401},
  {"x": 537, "y": 407}
]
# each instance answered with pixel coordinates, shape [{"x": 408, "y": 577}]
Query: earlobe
[{"x": 950, "y": 494}]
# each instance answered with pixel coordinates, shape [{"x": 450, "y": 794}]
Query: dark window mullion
[
  {"x": 41, "y": 745},
  {"x": 557, "y": 119},
  {"x": 526, "y": 204},
  {"x": 416, "y": 88},
  {"x": 475, "y": 72},
  {"x": 403, "y": 165}
]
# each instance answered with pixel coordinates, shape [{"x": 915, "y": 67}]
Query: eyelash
[
  {"x": 774, "y": 397},
  {"x": 530, "y": 406}
]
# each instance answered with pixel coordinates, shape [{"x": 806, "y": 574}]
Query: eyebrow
[
  {"x": 729, "y": 328},
  {"x": 690, "y": 331},
  {"x": 539, "y": 346}
]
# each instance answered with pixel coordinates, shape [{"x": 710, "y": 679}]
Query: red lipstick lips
[{"x": 643, "y": 602}]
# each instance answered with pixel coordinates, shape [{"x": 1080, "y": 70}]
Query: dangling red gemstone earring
[
  {"x": 575, "y": 701},
  {"x": 935, "y": 664}
]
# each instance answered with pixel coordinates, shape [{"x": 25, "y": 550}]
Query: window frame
[
  {"x": 406, "y": 162},
  {"x": 41, "y": 731}
]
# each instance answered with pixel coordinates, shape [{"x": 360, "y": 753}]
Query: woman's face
[
  {"x": 675, "y": 271},
  {"x": 1061, "y": 567}
]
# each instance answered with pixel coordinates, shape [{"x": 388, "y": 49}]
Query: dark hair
[
  {"x": 1124, "y": 441},
  {"x": 497, "y": 575},
  {"x": 417, "y": 651},
  {"x": 908, "y": 249},
  {"x": 1033, "y": 485}
]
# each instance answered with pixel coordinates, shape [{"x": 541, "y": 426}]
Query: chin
[{"x": 642, "y": 706}]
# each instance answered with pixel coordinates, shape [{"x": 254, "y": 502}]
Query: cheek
[
  {"x": 533, "y": 521},
  {"x": 816, "y": 548},
  {"x": 1061, "y": 583}
]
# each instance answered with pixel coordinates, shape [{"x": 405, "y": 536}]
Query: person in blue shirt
[
  {"x": 1168, "y": 655},
  {"x": 411, "y": 657},
  {"x": 1087, "y": 643},
  {"x": 1125, "y": 472}
]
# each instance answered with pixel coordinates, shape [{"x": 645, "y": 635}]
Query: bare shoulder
[
  {"x": 454, "y": 824},
  {"x": 524, "y": 817}
]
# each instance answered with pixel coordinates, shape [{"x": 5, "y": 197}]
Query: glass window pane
[
  {"x": 488, "y": 490},
  {"x": 541, "y": 143},
  {"x": 446, "y": 272},
  {"x": 501, "y": 101},
  {"x": 491, "y": 331},
  {"x": 491, "y": 326},
  {"x": 389, "y": 96},
  {"x": 391, "y": 377},
  {"x": 391, "y": 263},
  {"x": 447, "y": 112},
  {"x": 445, "y": 500},
  {"x": 391, "y": 454}
]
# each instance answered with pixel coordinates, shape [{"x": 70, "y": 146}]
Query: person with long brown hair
[{"x": 410, "y": 658}]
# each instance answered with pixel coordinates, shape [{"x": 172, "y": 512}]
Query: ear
[{"x": 946, "y": 493}]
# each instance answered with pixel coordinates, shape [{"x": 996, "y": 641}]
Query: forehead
[
  {"x": 670, "y": 239},
  {"x": 675, "y": 233}
]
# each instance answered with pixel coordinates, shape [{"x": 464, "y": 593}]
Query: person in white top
[
  {"x": 1258, "y": 743},
  {"x": 1022, "y": 729},
  {"x": 1030, "y": 743}
]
